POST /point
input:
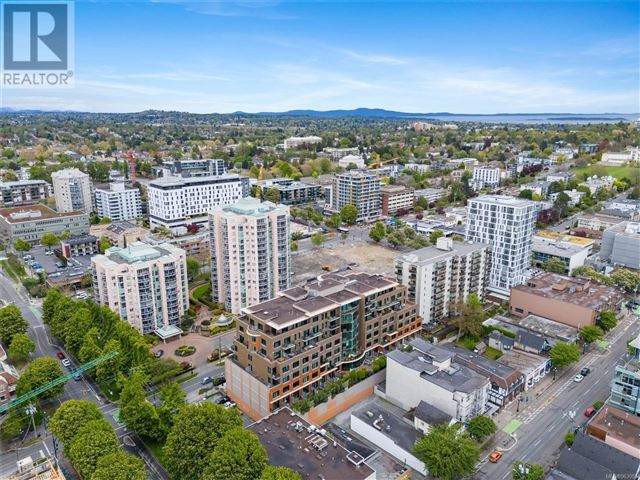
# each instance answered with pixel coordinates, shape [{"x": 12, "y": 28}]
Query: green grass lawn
[
  {"x": 468, "y": 342},
  {"x": 616, "y": 172},
  {"x": 492, "y": 353}
]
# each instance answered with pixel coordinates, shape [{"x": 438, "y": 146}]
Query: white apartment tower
[
  {"x": 360, "y": 188},
  {"x": 146, "y": 285},
  {"x": 507, "y": 224},
  {"x": 118, "y": 202},
  {"x": 250, "y": 254},
  {"x": 437, "y": 277},
  {"x": 485, "y": 177},
  {"x": 175, "y": 202},
  {"x": 72, "y": 189}
]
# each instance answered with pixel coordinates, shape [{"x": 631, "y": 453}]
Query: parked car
[
  {"x": 59, "y": 264},
  {"x": 49, "y": 252},
  {"x": 60, "y": 355},
  {"x": 66, "y": 362},
  {"x": 229, "y": 404},
  {"x": 495, "y": 456},
  {"x": 76, "y": 376},
  {"x": 207, "y": 380},
  {"x": 158, "y": 354},
  {"x": 589, "y": 412},
  {"x": 585, "y": 371},
  {"x": 219, "y": 380},
  {"x": 578, "y": 378}
]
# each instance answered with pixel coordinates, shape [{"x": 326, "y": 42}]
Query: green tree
[
  {"x": 193, "y": 267},
  {"x": 607, "y": 320},
  {"x": 590, "y": 333},
  {"x": 173, "y": 399},
  {"x": 272, "y": 195},
  {"x": 333, "y": 221},
  {"x": 39, "y": 372},
  {"x": 21, "y": 246},
  {"x": 527, "y": 471},
  {"x": 104, "y": 221},
  {"x": 294, "y": 246},
  {"x": 378, "y": 232},
  {"x": 297, "y": 235},
  {"x": 555, "y": 265},
  {"x": 447, "y": 453},
  {"x": 279, "y": 473},
  {"x": 564, "y": 354},
  {"x": 11, "y": 323},
  {"x": 569, "y": 438},
  {"x": 93, "y": 441},
  {"x": 49, "y": 240},
  {"x": 119, "y": 466},
  {"x": 317, "y": 239},
  {"x": 626, "y": 279},
  {"x": 195, "y": 433},
  {"x": 70, "y": 417},
  {"x": 239, "y": 455},
  {"x": 435, "y": 235},
  {"x": 480, "y": 427},
  {"x": 135, "y": 411},
  {"x": 528, "y": 194},
  {"x": 349, "y": 214},
  {"x": 21, "y": 347},
  {"x": 103, "y": 244},
  {"x": 468, "y": 316},
  {"x": 379, "y": 363}
]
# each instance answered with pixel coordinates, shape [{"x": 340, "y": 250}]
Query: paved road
[
  {"x": 546, "y": 420},
  {"x": 82, "y": 390}
]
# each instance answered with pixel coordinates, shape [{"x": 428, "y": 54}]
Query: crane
[
  {"x": 58, "y": 381},
  {"x": 132, "y": 166},
  {"x": 378, "y": 162}
]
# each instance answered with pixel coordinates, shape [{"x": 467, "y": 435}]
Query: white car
[
  {"x": 578, "y": 378},
  {"x": 66, "y": 362},
  {"x": 229, "y": 404}
]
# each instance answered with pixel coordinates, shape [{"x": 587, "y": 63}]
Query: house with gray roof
[{"x": 431, "y": 374}]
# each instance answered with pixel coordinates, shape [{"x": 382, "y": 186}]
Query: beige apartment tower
[
  {"x": 250, "y": 254},
  {"x": 72, "y": 189},
  {"x": 145, "y": 284}
]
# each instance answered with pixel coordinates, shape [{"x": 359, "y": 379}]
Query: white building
[
  {"x": 596, "y": 183},
  {"x": 361, "y": 189},
  {"x": 338, "y": 153},
  {"x": 538, "y": 188},
  {"x": 467, "y": 162},
  {"x": 432, "y": 194},
  {"x": 356, "y": 160},
  {"x": 567, "y": 153},
  {"x": 146, "y": 285},
  {"x": 118, "y": 202},
  {"x": 431, "y": 374},
  {"x": 507, "y": 224},
  {"x": 437, "y": 277},
  {"x": 175, "y": 202},
  {"x": 23, "y": 192},
  {"x": 631, "y": 154},
  {"x": 418, "y": 167},
  {"x": 621, "y": 245},
  {"x": 571, "y": 254},
  {"x": 73, "y": 191},
  {"x": 559, "y": 177},
  {"x": 250, "y": 254},
  {"x": 485, "y": 177},
  {"x": 296, "y": 142}
]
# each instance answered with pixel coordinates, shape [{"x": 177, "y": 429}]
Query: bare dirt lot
[{"x": 370, "y": 258}]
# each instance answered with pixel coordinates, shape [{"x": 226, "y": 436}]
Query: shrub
[
  {"x": 598, "y": 404},
  {"x": 185, "y": 350},
  {"x": 569, "y": 438}
]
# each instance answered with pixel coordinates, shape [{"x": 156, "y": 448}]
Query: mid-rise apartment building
[
  {"x": 507, "y": 224},
  {"x": 250, "y": 254},
  {"x": 361, "y": 189},
  {"x": 396, "y": 198},
  {"x": 73, "y": 190},
  {"x": 118, "y": 202},
  {"x": 437, "y": 277},
  {"x": 31, "y": 222},
  {"x": 621, "y": 245},
  {"x": 175, "y": 202},
  {"x": 23, "y": 192},
  {"x": 485, "y": 177},
  {"x": 146, "y": 285},
  {"x": 292, "y": 192},
  {"x": 289, "y": 346},
  {"x": 193, "y": 167}
]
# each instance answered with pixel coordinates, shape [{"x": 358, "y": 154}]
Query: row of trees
[{"x": 91, "y": 444}]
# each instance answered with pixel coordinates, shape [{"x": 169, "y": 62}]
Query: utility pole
[{"x": 31, "y": 410}]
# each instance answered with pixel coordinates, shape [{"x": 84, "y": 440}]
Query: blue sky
[{"x": 461, "y": 57}]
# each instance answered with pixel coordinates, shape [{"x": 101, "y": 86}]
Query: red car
[
  {"x": 60, "y": 355},
  {"x": 589, "y": 412}
]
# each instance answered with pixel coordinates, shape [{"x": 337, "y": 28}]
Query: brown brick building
[
  {"x": 395, "y": 198},
  {"x": 288, "y": 346}
]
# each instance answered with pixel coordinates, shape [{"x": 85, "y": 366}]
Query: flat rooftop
[
  {"x": 136, "y": 252},
  {"x": 432, "y": 254},
  {"x": 556, "y": 248},
  {"x": 250, "y": 206},
  {"x": 292, "y": 442},
  {"x": 536, "y": 324},
  {"x": 34, "y": 212},
  {"x": 563, "y": 237},
  {"x": 500, "y": 373},
  {"x": 618, "y": 424},
  {"x": 504, "y": 200},
  {"x": 577, "y": 291},
  {"x": 400, "y": 432},
  {"x": 522, "y": 361}
]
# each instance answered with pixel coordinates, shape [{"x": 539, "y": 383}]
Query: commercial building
[
  {"x": 485, "y": 177},
  {"x": 361, "y": 189},
  {"x": 289, "y": 346},
  {"x": 571, "y": 301},
  {"x": 250, "y": 254},
  {"x": 432, "y": 374},
  {"x": 30, "y": 223},
  {"x": 597, "y": 221},
  {"x": 118, "y": 202},
  {"x": 316, "y": 455},
  {"x": 507, "y": 224},
  {"x": 73, "y": 191},
  {"x": 617, "y": 159},
  {"x": 572, "y": 255},
  {"x": 120, "y": 234},
  {"x": 621, "y": 245},
  {"x": 438, "y": 277},
  {"x": 297, "y": 142},
  {"x": 396, "y": 198},
  {"x": 79, "y": 245},
  {"x": 23, "y": 192},
  {"x": 146, "y": 285},
  {"x": 175, "y": 202}
]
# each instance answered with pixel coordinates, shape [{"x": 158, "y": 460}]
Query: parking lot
[{"x": 51, "y": 264}]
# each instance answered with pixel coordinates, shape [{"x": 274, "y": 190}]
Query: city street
[{"x": 546, "y": 419}]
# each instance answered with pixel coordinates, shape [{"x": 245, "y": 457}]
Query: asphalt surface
[{"x": 548, "y": 418}]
